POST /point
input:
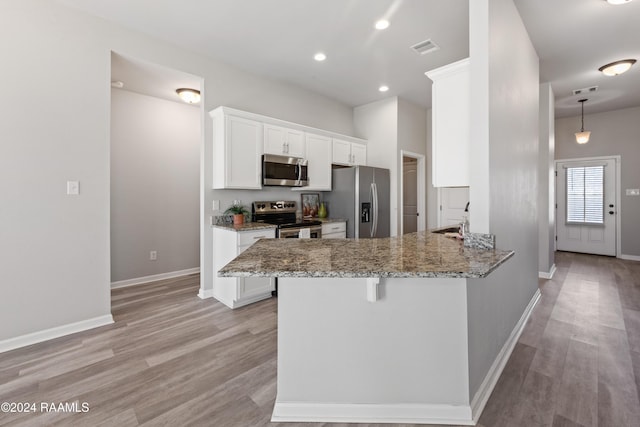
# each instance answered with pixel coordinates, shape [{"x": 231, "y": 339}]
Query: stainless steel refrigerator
[{"x": 361, "y": 196}]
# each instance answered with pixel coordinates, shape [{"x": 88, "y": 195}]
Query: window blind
[{"x": 585, "y": 195}]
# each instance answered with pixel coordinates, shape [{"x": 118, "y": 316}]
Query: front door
[{"x": 586, "y": 206}]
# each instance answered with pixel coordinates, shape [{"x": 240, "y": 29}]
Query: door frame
[
  {"x": 616, "y": 159},
  {"x": 420, "y": 188}
]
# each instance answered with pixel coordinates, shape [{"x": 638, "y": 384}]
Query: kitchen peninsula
[{"x": 377, "y": 330}]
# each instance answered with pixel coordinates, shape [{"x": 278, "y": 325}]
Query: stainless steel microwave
[{"x": 284, "y": 171}]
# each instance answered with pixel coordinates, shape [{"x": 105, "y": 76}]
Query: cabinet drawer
[
  {"x": 334, "y": 227},
  {"x": 248, "y": 238}
]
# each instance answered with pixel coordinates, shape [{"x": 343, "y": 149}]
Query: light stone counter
[
  {"x": 247, "y": 226},
  {"x": 421, "y": 254},
  {"x": 377, "y": 330}
]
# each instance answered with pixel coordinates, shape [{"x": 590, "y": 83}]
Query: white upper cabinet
[
  {"x": 450, "y": 124},
  {"x": 241, "y": 138},
  {"x": 237, "y": 151},
  {"x": 283, "y": 141},
  {"x": 318, "y": 149},
  {"x": 359, "y": 153},
  {"x": 349, "y": 153}
]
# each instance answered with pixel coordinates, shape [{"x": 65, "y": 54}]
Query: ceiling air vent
[
  {"x": 425, "y": 47},
  {"x": 585, "y": 90}
]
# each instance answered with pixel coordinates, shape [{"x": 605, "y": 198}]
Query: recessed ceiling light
[
  {"x": 616, "y": 2},
  {"x": 617, "y": 67},
  {"x": 319, "y": 56},
  {"x": 382, "y": 24},
  {"x": 190, "y": 96},
  {"x": 383, "y": 88}
]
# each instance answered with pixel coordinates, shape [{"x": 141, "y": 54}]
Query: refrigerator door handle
[{"x": 374, "y": 189}]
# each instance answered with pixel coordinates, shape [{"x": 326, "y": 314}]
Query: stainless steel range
[{"x": 283, "y": 214}]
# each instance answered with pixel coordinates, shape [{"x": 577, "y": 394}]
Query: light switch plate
[
  {"x": 216, "y": 205},
  {"x": 633, "y": 191},
  {"x": 73, "y": 188}
]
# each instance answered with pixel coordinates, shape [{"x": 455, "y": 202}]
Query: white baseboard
[
  {"x": 59, "y": 331},
  {"x": 549, "y": 275},
  {"x": 629, "y": 257},
  {"x": 372, "y": 413},
  {"x": 486, "y": 388},
  {"x": 153, "y": 278},
  {"x": 205, "y": 293}
]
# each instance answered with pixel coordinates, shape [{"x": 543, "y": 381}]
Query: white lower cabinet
[
  {"x": 334, "y": 230},
  {"x": 238, "y": 291}
]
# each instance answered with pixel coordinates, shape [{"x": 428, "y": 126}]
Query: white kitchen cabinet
[
  {"x": 238, "y": 291},
  {"x": 318, "y": 150},
  {"x": 283, "y": 141},
  {"x": 334, "y": 230},
  {"x": 237, "y": 147},
  {"x": 450, "y": 124},
  {"x": 349, "y": 153}
]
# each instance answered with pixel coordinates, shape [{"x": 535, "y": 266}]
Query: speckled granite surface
[
  {"x": 421, "y": 254},
  {"x": 247, "y": 226}
]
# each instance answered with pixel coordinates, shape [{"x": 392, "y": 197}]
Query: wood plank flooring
[{"x": 172, "y": 359}]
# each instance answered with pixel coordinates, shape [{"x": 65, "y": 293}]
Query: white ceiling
[{"x": 278, "y": 38}]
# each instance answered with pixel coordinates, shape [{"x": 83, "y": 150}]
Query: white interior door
[
  {"x": 586, "y": 206},
  {"x": 453, "y": 202}
]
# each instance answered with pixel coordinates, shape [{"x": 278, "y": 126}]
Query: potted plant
[{"x": 238, "y": 212}]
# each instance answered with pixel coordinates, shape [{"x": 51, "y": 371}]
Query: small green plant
[{"x": 236, "y": 210}]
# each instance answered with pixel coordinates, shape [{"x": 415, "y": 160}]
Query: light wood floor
[{"x": 172, "y": 359}]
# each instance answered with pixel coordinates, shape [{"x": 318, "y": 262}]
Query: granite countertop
[
  {"x": 247, "y": 226},
  {"x": 329, "y": 220},
  {"x": 421, "y": 254}
]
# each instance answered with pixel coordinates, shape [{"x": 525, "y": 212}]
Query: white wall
[
  {"x": 378, "y": 123},
  {"x": 505, "y": 81},
  {"x": 432, "y": 192},
  {"x": 155, "y": 185},
  {"x": 612, "y": 133},
  {"x": 392, "y": 125},
  {"x": 55, "y": 107},
  {"x": 412, "y": 137},
  {"x": 546, "y": 183}
]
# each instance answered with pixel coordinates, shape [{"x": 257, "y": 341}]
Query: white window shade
[{"x": 585, "y": 195}]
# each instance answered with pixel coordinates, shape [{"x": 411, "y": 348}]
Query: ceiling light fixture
[
  {"x": 617, "y": 2},
  {"x": 383, "y": 88},
  {"x": 617, "y": 67},
  {"x": 190, "y": 96},
  {"x": 319, "y": 56},
  {"x": 582, "y": 137},
  {"x": 382, "y": 24}
]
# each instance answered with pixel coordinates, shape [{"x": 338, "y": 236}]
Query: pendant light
[{"x": 582, "y": 137}]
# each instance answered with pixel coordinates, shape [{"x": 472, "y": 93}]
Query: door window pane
[{"x": 585, "y": 195}]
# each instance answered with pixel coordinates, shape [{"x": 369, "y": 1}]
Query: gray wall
[
  {"x": 55, "y": 107},
  {"x": 507, "y": 84},
  {"x": 155, "y": 185},
  {"x": 546, "y": 182},
  {"x": 612, "y": 133}
]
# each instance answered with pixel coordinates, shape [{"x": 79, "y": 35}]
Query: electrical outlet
[
  {"x": 73, "y": 188},
  {"x": 153, "y": 255},
  {"x": 216, "y": 205}
]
